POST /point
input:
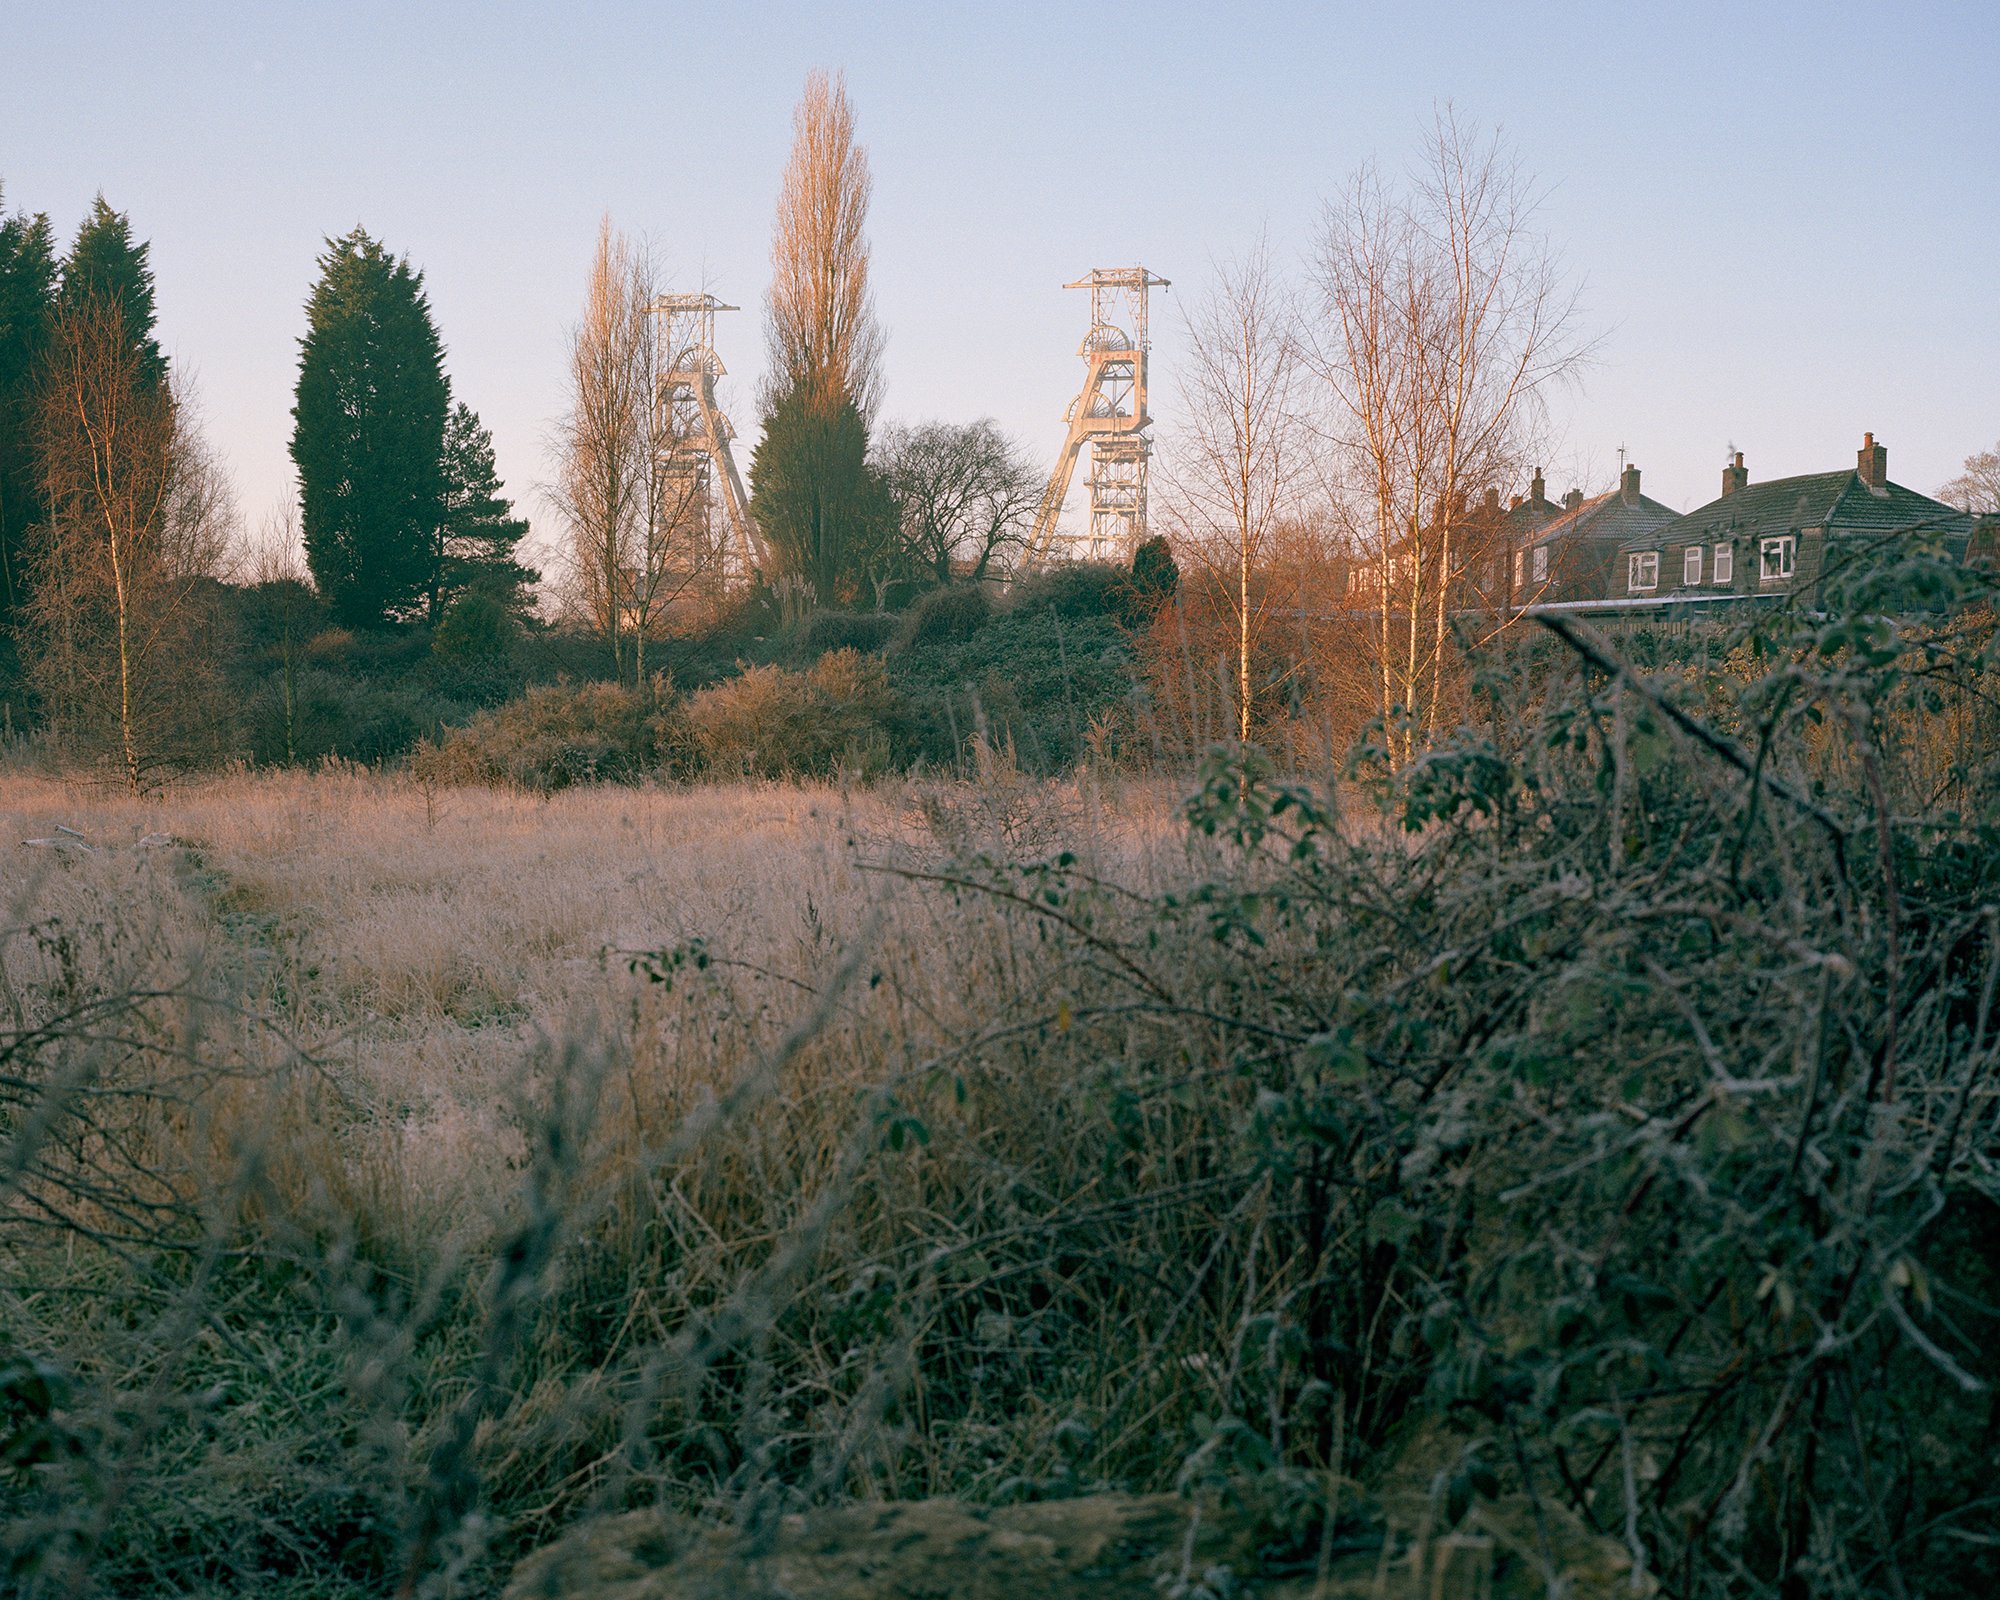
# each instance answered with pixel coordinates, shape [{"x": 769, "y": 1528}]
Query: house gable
[
  {"x": 1775, "y": 537},
  {"x": 1575, "y": 555}
]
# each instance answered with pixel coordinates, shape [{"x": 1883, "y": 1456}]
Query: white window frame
[
  {"x": 1642, "y": 570},
  {"x": 1723, "y": 568},
  {"x": 1691, "y": 564},
  {"x": 1541, "y": 563},
  {"x": 1520, "y": 569},
  {"x": 1778, "y": 558}
]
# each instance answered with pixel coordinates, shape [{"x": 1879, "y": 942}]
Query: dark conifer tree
[
  {"x": 824, "y": 510},
  {"x": 368, "y": 435},
  {"x": 27, "y": 292},
  {"x": 1155, "y": 574},
  {"x": 476, "y": 540},
  {"x": 105, "y": 261}
]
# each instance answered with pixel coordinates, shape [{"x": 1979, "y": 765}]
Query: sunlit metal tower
[
  {"x": 1109, "y": 416},
  {"x": 694, "y": 438}
]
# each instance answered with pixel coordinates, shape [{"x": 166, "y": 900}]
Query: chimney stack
[
  {"x": 1628, "y": 486},
  {"x": 1537, "y": 490},
  {"x": 1514, "y": 502},
  {"x": 1572, "y": 500},
  {"x": 1735, "y": 476},
  {"x": 1493, "y": 502},
  {"x": 1872, "y": 462}
]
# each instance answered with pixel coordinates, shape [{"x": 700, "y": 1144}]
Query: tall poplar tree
[
  {"x": 27, "y": 295},
  {"x": 369, "y": 433},
  {"x": 603, "y": 472},
  {"x": 823, "y": 509},
  {"x": 820, "y": 320}
]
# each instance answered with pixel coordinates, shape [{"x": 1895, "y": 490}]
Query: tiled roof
[
  {"x": 1526, "y": 520},
  {"x": 1609, "y": 517},
  {"x": 1866, "y": 511},
  {"x": 1837, "y": 501}
]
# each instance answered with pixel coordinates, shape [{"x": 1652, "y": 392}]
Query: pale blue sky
[{"x": 1788, "y": 216}]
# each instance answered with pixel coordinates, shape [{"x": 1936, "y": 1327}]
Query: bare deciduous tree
[
  {"x": 139, "y": 513},
  {"x": 1243, "y": 452},
  {"x": 1977, "y": 488},
  {"x": 822, "y": 330},
  {"x": 273, "y": 566},
  {"x": 599, "y": 451},
  {"x": 1444, "y": 322},
  {"x": 965, "y": 495},
  {"x": 638, "y": 533},
  {"x": 672, "y": 548}
]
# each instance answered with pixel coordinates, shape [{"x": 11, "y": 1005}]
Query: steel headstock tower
[
  {"x": 693, "y": 460},
  {"x": 1109, "y": 416}
]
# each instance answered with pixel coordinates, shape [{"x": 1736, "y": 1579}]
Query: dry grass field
[
  {"x": 719, "y": 1001},
  {"x": 426, "y": 943}
]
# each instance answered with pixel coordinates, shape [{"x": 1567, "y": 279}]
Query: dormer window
[
  {"x": 1778, "y": 558},
  {"x": 1691, "y": 564},
  {"x": 1642, "y": 570},
  {"x": 1724, "y": 565}
]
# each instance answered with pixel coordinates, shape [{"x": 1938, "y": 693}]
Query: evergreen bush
[
  {"x": 1047, "y": 684},
  {"x": 1073, "y": 590},
  {"x": 844, "y": 630},
  {"x": 946, "y": 615},
  {"x": 476, "y": 624}
]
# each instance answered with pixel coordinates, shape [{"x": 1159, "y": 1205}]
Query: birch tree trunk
[
  {"x": 136, "y": 516},
  {"x": 1241, "y": 456},
  {"x": 1443, "y": 323}
]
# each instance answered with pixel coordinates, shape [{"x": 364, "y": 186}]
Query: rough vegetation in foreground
[
  {"x": 1590, "y": 1125},
  {"x": 1092, "y": 1547}
]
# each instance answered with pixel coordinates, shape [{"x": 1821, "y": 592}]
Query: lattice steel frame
[
  {"x": 1108, "y": 415},
  {"x": 695, "y": 437}
]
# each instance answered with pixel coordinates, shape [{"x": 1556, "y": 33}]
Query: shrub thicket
[
  {"x": 560, "y": 734},
  {"x": 844, "y": 630},
  {"x": 310, "y": 714},
  {"x": 1074, "y": 590},
  {"x": 1047, "y": 670},
  {"x": 947, "y": 615},
  {"x": 306, "y": 691},
  {"x": 475, "y": 624},
  {"x": 840, "y": 715},
  {"x": 1155, "y": 575},
  {"x": 1053, "y": 687}
]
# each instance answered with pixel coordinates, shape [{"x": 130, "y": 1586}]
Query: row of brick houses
[{"x": 1622, "y": 552}]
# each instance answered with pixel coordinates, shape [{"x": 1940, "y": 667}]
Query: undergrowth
[{"x": 1598, "y": 1110}]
